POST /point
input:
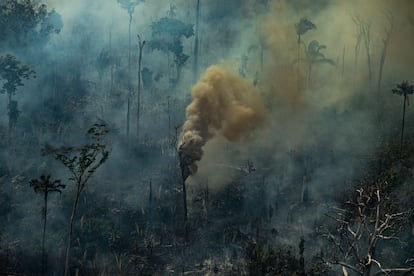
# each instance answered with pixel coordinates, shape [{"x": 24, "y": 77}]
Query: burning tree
[
  {"x": 223, "y": 103},
  {"x": 189, "y": 152}
]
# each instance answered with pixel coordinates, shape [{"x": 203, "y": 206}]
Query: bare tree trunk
[
  {"x": 10, "y": 116},
  {"x": 129, "y": 74},
  {"x": 169, "y": 119},
  {"x": 402, "y": 126},
  {"x": 385, "y": 43},
  {"x": 298, "y": 64},
  {"x": 185, "y": 202},
  {"x": 367, "y": 41},
  {"x": 127, "y": 115},
  {"x": 141, "y": 46},
  {"x": 72, "y": 218},
  {"x": 358, "y": 24},
  {"x": 44, "y": 262},
  {"x": 343, "y": 62},
  {"x": 196, "y": 41},
  {"x": 309, "y": 73}
]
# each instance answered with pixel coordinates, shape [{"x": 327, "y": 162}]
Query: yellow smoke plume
[{"x": 223, "y": 103}]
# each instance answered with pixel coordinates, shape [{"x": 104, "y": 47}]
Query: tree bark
[{"x": 72, "y": 218}]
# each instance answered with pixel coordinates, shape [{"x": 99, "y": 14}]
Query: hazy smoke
[{"x": 223, "y": 103}]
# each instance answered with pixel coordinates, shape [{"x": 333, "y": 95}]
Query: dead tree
[
  {"x": 367, "y": 221},
  {"x": 385, "y": 43},
  {"x": 364, "y": 32}
]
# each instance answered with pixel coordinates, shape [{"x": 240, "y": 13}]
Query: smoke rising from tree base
[{"x": 223, "y": 103}]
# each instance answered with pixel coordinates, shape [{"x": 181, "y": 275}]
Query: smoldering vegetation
[{"x": 254, "y": 137}]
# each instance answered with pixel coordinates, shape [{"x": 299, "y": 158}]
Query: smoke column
[{"x": 223, "y": 103}]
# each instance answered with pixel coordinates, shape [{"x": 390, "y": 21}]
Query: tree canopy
[
  {"x": 26, "y": 22},
  {"x": 12, "y": 73}
]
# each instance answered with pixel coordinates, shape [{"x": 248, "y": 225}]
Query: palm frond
[{"x": 303, "y": 26}]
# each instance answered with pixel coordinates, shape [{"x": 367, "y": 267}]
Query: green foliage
[
  {"x": 83, "y": 161},
  {"x": 172, "y": 27},
  {"x": 12, "y": 73},
  {"x": 167, "y": 36},
  {"x": 25, "y": 22}
]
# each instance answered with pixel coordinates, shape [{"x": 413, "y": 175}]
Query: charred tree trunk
[
  {"x": 185, "y": 202},
  {"x": 185, "y": 162}
]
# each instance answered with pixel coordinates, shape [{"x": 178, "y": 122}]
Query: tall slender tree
[
  {"x": 403, "y": 89},
  {"x": 364, "y": 28},
  {"x": 314, "y": 56},
  {"x": 12, "y": 73},
  {"x": 45, "y": 185},
  {"x": 385, "y": 43},
  {"x": 129, "y": 6},
  {"x": 302, "y": 27},
  {"x": 82, "y": 162},
  {"x": 196, "y": 40},
  {"x": 141, "y": 44}
]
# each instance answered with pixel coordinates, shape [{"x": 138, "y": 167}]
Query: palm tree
[
  {"x": 314, "y": 56},
  {"x": 403, "y": 89},
  {"x": 302, "y": 27},
  {"x": 82, "y": 162},
  {"x": 45, "y": 185}
]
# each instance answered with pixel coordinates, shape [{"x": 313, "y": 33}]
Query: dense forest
[{"x": 206, "y": 137}]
